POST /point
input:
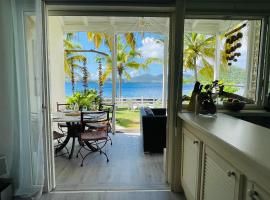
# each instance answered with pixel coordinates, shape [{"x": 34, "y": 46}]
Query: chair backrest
[
  {"x": 94, "y": 117},
  {"x": 61, "y": 106},
  {"x": 108, "y": 108}
]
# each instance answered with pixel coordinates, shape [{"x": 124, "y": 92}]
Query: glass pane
[{"x": 224, "y": 50}]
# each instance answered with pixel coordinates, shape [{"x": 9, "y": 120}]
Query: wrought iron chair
[
  {"x": 109, "y": 109},
  {"x": 94, "y": 138},
  {"x": 60, "y": 107},
  {"x": 58, "y": 137}
]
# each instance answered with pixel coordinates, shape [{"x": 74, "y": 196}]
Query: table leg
[
  {"x": 62, "y": 145},
  {"x": 72, "y": 148}
]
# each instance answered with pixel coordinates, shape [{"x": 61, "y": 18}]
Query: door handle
[
  {"x": 230, "y": 173},
  {"x": 253, "y": 195}
]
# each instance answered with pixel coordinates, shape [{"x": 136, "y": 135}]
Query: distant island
[{"x": 144, "y": 78}]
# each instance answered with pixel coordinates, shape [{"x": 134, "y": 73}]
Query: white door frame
[
  {"x": 176, "y": 15},
  {"x": 49, "y": 167}
]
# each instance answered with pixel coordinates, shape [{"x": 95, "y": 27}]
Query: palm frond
[
  {"x": 97, "y": 39},
  {"x": 109, "y": 41},
  {"x": 133, "y": 65},
  {"x": 127, "y": 75},
  {"x": 130, "y": 40}
]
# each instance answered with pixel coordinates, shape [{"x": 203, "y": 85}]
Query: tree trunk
[
  {"x": 195, "y": 70},
  {"x": 72, "y": 79},
  {"x": 99, "y": 80},
  {"x": 85, "y": 78},
  {"x": 120, "y": 86}
]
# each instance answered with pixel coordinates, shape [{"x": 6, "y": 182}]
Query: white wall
[
  {"x": 8, "y": 98},
  {"x": 56, "y": 62}
]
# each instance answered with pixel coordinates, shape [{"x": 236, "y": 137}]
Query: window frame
[{"x": 263, "y": 60}]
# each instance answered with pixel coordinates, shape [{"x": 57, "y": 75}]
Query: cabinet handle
[
  {"x": 195, "y": 142},
  {"x": 230, "y": 173},
  {"x": 253, "y": 195}
]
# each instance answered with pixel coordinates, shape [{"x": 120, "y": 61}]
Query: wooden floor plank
[
  {"x": 136, "y": 195},
  {"x": 129, "y": 168}
]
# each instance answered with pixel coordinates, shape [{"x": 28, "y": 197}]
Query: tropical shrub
[{"x": 89, "y": 99}]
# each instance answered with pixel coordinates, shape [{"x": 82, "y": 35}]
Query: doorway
[{"x": 102, "y": 40}]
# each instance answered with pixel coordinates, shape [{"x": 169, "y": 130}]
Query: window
[{"x": 224, "y": 50}]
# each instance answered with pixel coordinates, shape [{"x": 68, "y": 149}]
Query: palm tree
[
  {"x": 126, "y": 55},
  {"x": 100, "y": 82},
  {"x": 85, "y": 76},
  {"x": 98, "y": 38},
  {"x": 127, "y": 59},
  {"x": 72, "y": 60},
  {"x": 198, "y": 48}
]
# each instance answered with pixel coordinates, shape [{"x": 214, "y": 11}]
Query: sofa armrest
[
  {"x": 159, "y": 111},
  {"x": 153, "y": 129}
]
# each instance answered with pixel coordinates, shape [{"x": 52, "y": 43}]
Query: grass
[{"x": 127, "y": 118}]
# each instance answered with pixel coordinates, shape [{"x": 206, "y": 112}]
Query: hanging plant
[{"x": 232, "y": 43}]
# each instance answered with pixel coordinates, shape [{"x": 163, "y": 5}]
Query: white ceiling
[
  {"x": 115, "y": 24},
  {"x": 210, "y": 26},
  {"x": 141, "y": 24}
]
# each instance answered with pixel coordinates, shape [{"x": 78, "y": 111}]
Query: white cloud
[
  {"x": 152, "y": 48},
  {"x": 93, "y": 76},
  {"x": 133, "y": 73}
]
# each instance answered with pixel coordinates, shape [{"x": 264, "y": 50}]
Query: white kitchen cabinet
[
  {"x": 220, "y": 180},
  {"x": 191, "y": 165},
  {"x": 255, "y": 192}
]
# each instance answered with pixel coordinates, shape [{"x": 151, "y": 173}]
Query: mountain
[{"x": 146, "y": 78}]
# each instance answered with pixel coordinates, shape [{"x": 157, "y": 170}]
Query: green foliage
[
  {"x": 233, "y": 74},
  {"x": 228, "y": 86},
  {"x": 199, "y": 48},
  {"x": 231, "y": 89},
  {"x": 89, "y": 99}
]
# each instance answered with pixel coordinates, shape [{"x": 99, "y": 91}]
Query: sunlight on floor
[{"x": 133, "y": 133}]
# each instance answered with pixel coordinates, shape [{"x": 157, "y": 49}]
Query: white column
[
  {"x": 114, "y": 61},
  {"x": 217, "y": 58},
  {"x": 165, "y": 74},
  {"x": 250, "y": 58}
]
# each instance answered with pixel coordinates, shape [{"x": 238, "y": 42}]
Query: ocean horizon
[{"x": 129, "y": 89}]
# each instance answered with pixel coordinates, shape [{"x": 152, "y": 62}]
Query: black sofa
[{"x": 153, "y": 129}]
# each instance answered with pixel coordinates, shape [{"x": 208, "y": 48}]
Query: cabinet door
[
  {"x": 220, "y": 180},
  {"x": 191, "y": 165},
  {"x": 254, "y": 192}
]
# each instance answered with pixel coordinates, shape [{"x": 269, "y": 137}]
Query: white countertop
[{"x": 249, "y": 139}]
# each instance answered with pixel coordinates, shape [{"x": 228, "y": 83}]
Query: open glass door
[{"x": 119, "y": 61}]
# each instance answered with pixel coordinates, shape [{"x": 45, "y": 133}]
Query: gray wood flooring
[
  {"x": 136, "y": 195},
  {"x": 129, "y": 169}
]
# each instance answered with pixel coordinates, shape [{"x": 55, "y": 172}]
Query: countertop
[
  {"x": 250, "y": 140},
  {"x": 246, "y": 112}
]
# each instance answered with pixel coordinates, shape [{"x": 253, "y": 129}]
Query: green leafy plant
[{"x": 89, "y": 99}]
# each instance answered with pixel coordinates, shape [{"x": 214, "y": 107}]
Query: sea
[{"x": 129, "y": 89}]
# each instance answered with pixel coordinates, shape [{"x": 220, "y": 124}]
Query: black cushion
[{"x": 148, "y": 112}]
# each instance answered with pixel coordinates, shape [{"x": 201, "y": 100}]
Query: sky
[{"x": 147, "y": 45}]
